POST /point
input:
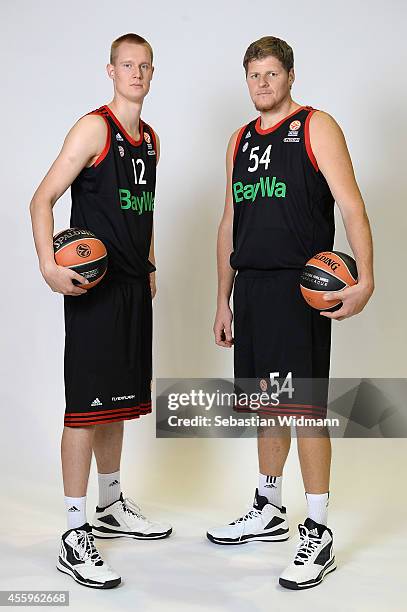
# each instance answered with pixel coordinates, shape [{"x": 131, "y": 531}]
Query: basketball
[
  {"x": 80, "y": 250},
  {"x": 327, "y": 271}
]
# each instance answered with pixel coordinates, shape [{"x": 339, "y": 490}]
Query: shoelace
[
  {"x": 253, "y": 513},
  {"x": 306, "y": 547},
  {"x": 86, "y": 549},
  {"x": 133, "y": 509}
]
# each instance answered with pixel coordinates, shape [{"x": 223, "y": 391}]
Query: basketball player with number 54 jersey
[
  {"x": 285, "y": 170},
  {"x": 109, "y": 159}
]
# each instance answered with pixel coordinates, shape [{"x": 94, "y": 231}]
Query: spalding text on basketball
[{"x": 332, "y": 263}]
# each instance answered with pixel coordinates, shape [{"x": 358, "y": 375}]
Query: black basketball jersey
[
  {"x": 114, "y": 198},
  {"x": 283, "y": 207}
]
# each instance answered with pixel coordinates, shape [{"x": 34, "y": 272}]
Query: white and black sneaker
[
  {"x": 79, "y": 558},
  {"x": 264, "y": 522},
  {"x": 123, "y": 519},
  {"x": 314, "y": 557}
]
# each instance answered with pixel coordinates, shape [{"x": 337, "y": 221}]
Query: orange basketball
[
  {"x": 80, "y": 250},
  {"x": 327, "y": 271}
]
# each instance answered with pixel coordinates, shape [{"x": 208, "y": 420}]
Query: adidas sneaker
[
  {"x": 314, "y": 558},
  {"x": 265, "y": 522},
  {"x": 123, "y": 519},
  {"x": 79, "y": 558}
]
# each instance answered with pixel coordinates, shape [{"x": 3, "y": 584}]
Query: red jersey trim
[
  {"x": 277, "y": 125},
  {"x": 107, "y": 144},
  {"x": 122, "y": 418},
  {"x": 308, "y": 141},
  {"x": 102, "y": 412},
  {"x": 238, "y": 139},
  {"x": 135, "y": 143}
]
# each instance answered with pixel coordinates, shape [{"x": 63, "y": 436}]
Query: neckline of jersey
[
  {"x": 135, "y": 143},
  {"x": 277, "y": 125}
]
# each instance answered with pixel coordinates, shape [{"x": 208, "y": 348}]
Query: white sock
[
  {"x": 76, "y": 511},
  {"x": 109, "y": 488},
  {"x": 318, "y": 507},
  {"x": 270, "y": 487}
]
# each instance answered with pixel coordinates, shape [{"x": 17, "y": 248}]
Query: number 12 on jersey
[{"x": 141, "y": 180}]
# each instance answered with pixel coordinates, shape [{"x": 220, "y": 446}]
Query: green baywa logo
[
  {"x": 140, "y": 204},
  {"x": 266, "y": 187}
]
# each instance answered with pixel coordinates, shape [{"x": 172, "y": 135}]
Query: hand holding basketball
[
  {"x": 353, "y": 299},
  {"x": 83, "y": 253},
  {"x": 60, "y": 280}
]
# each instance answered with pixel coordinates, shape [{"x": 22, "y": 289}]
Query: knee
[
  {"x": 312, "y": 431},
  {"x": 279, "y": 431}
]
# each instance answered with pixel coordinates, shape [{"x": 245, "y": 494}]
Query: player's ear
[
  {"x": 291, "y": 76},
  {"x": 110, "y": 71}
]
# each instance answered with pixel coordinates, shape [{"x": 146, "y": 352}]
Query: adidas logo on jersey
[
  {"x": 96, "y": 402},
  {"x": 119, "y": 136},
  {"x": 248, "y": 135}
]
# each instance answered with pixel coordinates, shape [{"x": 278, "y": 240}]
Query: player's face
[
  {"x": 132, "y": 71},
  {"x": 268, "y": 83}
]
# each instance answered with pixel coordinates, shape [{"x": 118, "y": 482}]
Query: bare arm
[
  {"x": 223, "y": 321},
  {"x": 330, "y": 150},
  {"x": 82, "y": 145}
]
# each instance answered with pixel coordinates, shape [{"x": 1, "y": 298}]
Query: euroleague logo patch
[
  {"x": 83, "y": 250},
  {"x": 147, "y": 138},
  {"x": 295, "y": 125},
  {"x": 292, "y": 135},
  {"x": 121, "y": 150}
]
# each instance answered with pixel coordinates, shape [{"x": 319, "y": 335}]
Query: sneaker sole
[
  {"x": 110, "y": 584},
  {"x": 297, "y": 586},
  {"x": 108, "y": 535},
  {"x": 237, "y": 541}
]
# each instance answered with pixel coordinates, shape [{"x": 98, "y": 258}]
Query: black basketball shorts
[
  {"x": 277, "y": 332},
  {"x": 108, "y": 353}
]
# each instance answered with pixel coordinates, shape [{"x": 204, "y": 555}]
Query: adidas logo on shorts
[{"x": 96, "y": 402}]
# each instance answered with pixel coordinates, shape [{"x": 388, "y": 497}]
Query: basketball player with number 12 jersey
[{"x": 109, "y": 159}]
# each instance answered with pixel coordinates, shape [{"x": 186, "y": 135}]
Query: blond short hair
[{"x": 131, "y": 38}]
